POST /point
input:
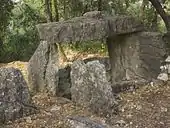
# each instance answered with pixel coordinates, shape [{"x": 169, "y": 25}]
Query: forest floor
[{"x": 146, "y": 107}]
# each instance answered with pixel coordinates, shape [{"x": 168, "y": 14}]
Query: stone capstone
[
  {"x": 15, "y": 100},
  {"x": 92, "y": 26},
  {"x": 43, "y": 69},
  {"x": 90, "y": 87}
]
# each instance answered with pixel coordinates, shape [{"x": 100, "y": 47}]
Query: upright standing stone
[
  {"x": 90, "y": 87},
  {"x": 43, "y": 69},
  {"x": 136, "y": 56},
  {"x": 15, "y": 100}
]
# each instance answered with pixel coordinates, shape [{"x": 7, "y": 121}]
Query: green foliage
[
  {"x": 5, "y": 11},
  {"x": 89, "y": 47},
  {"x": 20, "y": 46},
  {"x": 22, "y": 36},
  {"x": 19, "y": 27}
]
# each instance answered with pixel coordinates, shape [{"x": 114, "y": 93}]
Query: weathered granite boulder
[
  {"x": 43, "y": 69},
  {"x": 165, "y": 70},
  {"x": 84, "y": 122},
  {"x": 45, "y": 74},
  {"x": 163, "y": 77},
  {"x": 105, "y": 61},
  {"x": 91, "y": 26},
  {"x": 15, "y": 100},
  {"x": 90, "y": 87},
  {"x": 64, "y": 83},
  {"x": 136, "y": 56}
]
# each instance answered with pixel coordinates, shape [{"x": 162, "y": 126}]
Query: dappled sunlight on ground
[{"x": 148, "y": 106}]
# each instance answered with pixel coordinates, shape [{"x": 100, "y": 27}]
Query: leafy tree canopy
[{"x": 5, "y": 12}]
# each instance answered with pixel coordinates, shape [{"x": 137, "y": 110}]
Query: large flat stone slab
[{"x": 91, "y": 26}]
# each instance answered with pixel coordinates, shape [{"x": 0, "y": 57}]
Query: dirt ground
[{"x": 146, "y": 107}]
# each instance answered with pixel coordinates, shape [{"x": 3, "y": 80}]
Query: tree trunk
[
  {"x": 166, "y": 18},
  {"x": 64, "y": 10},
  {"x": 48, "y": 10},
  {"x": 60, "y": 48},
  {"x": 85, "y": 9},
  {"x": 154, "y": 26},
  {"x": 127, "y": 4},
  {"x": 99, "y": 5},
  {"x": 55, "y": 2},
  {"x": 142, "y": 10}
]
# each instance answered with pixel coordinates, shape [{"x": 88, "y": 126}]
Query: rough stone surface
[
  {"x": 84, "y": 122},
  {"x": 167, "y": 59},
  {"x": 136, "y": 56},
  {"x": 44, "y": 73},
  {"x": 90, "y": 87},
  {"x": 92, "y": 26},
  {"x": 43, "y": 69},
  {"x": 15, "y": 101},
  {"x": 168, "y": 66},
  {"x": 163, "y": 77},
  {"x": 103, "y": 60},
  {"x": 128, "y": 85},
  {"x": 64, "y": 84}
]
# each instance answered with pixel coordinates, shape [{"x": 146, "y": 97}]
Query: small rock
[
  {"x": 152, "y": 84},
  {"x": 29, "y": 120},
  {"x": 121, "y": 123},
  {"x": 55, "y": 108},
  {"x": 167, "y": 59},
  {"x": 84, "y": 122},
  {"x": 163, "y": 77},
  {"x": 163, "y": 109}
]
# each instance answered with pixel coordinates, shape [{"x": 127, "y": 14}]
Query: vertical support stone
[
  {"x": 135, "y": 56},
  {"x": 90, "y": 87},
  {"x": 115, "y": 49},
  {"x": 43, "y": 69},
  {"x": 52, "y": 70}
]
